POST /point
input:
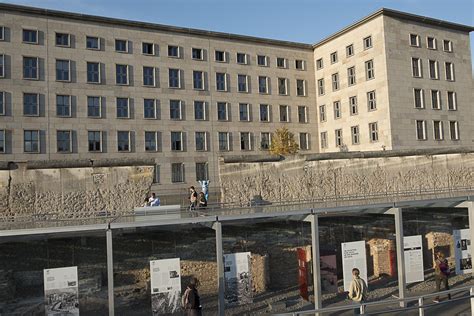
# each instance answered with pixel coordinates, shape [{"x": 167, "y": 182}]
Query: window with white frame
[
  {"x": 149, "y": 76},
  {"x": 449, "y": 67},
  {"x": 222, "y": 111},
  {"x": 121, "y": 46},
  {"x": 220, "y": 56},
  {"x": 244, "y": 114},
  {"x": 337, "y": 109},
  {"x": 431, "y": 42},
  {"x": 94, "y": 107},
  {"x": 2, "y": 33},
  {"x": 353, "y": 108},
  {"x": 304, "y": 141},
  {"x": 416, "y": 69},
  {"x": 30, "y": 36},
  {"x": 245, "y": 141},
  {"x": 93, "y": 72},
  {"x": 367, "y": 42},
  {"x": 351, "y": 76},
  {"x": 333, "y": 57},
  {"x": 282, "y": 86},
  {"x": 177, "y": 172},
  {"x": 202, "y": 172},
  {"x": 373, "y": 132},
  {"x": 2, "y": 66},
  {"x": 262, "y": 60},
  {"x": 284, "y": 113},
  {"x": 419, "y": 98},
  {"x": 319, "y": 64},
  {"x": 63, "y": 141},
  {"x": 350, "y": 50},
  {"x": 264, "y": 113},
  {"x": 263, "y": 84},
  {"x": 199, "y": 110},
  {"x": 123, "y": 108},
  {"x": 338, "y": 137},
  {"x": 177, "y": 141},
  {"x": 149, "y": 109},
  {"x": 174, "y": 78},
  {"x": 300, "y": 64},
  {"x": 174, "y": 51},
  {"x": 198, "y": 80},
  {"x": 197, "y": 53},
  {"x": 148, "y": 49},
  {"x": 435, "y": 100},
  {"x": 414, "y": 40},
  {"x": 281, "y": 62},
  {"x": 265, "y": 141},
  {"x": 123, "y": 141},
  {"x": 438, "y": 130},
  {"x": 433, "y": 67},
  {"x": 121, "y": 74},
  {"x": 322, "y": 113},
  {"x": 452, "y": 105},
  {"x": 31, "y": 104},
  {"x": 31, "y": 141},
  {"x": 30, "y": 68},
  {"x": 157, "y": 174},
  {"x": 223, "y": 139},
  {"x": 321, "y": 86},
  {"x": 242, "y": 58},
  {"x": 371, "y": 101},
  {"x": 335, "y": 81},
  {"x": 369, "y": 70},
  {"x": 420, "y": 129},
  {"x": 324, "y": 139},
  {"x": 355, "y": 135},
  {"x": 63, "y": 105},
  {"x": 302, "y": 114},
  {"x": 454, "y": 130},
  {"x": 448, "y": 46},
  {"x": 63, "y": 70},
  {"x": 242, "y": 83},
  {"x": 201, "y": 141},
  {"x": 300, "y": 87},
  {"x": 94, "y": 141},
  {"x": 221, "y": 81},
  {"x": 2, "y": 103},
  {"x": 175, "y": 110},
  {"x": 92, "y": 42},
  {"x": 63, "y": 40}
]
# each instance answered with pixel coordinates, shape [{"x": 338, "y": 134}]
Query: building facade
[{"x": 85, "y": 87}]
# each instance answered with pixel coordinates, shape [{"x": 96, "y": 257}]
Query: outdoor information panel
[
  {"x": 462, "y": 251},
  {"x": 413, "y": 253},
  {"x": 238, "y": 278},
  {"x": 165, "y": 286},
  {"x": 61, "y": 291},
  {"x": 353, "y": 256}
]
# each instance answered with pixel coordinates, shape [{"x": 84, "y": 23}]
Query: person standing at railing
[
  {"x": 192, "y": 198},
  {"x": 154, "y": 200},
  {"x": 357, "y": 290},
  {"x": 441, "y": 274}
]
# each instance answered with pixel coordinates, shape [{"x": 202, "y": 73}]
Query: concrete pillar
[
  {"x": 470, "y": 212},
  {"x": 397, "y": 212},
  {"x": 314, "y": 221},
  {"x": 110, "y": 272},
  {"x": 220, "y": 268}
]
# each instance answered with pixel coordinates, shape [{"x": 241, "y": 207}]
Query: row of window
[
  {"x": 433, "y": 69},
  {"x": 151, "y": 109},
  {"x": 351, "y": 77},
  {"x": 431, "y": 43},
  {"x": 353, "y": 106},
  {"x": 152, "y": 49},
  {"x": 435, "y": 98},
  {"x": 66, "y": 139},
  {"x": 350, "y": 51},
  {"x": 124, "y": 74},
  {"x": 438, "y": 130},
  {"x": 355, "y": 135}
]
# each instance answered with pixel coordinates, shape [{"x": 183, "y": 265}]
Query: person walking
[
  {"x": 441, "y": 274},
  {"x": 357, "y": 290},
  {"x": 201, "y": 201},
  {"x": 191, "y": 301},
  {"x": 192, "y": 198}
]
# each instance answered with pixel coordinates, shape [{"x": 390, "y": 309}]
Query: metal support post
[
  {"x": 470, "y": 213},
  {"x": 400, "y": 254},
  {"x": 316, "y": 259},
  {"x": 421, "y": 310},
  {"x": 110, "y": 272},
  {"x": 471, "y": 292},
  {"x": 220, "y": 268}
]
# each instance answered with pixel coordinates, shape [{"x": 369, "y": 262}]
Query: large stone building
[{"x": 75, "y": 86}]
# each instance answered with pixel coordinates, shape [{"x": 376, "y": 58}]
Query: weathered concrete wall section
[
  {"x": 72, "y": 192},
  {"x": 297, "y": 179}
]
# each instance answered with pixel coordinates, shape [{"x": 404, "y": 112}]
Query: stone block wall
[{"x": 381, "y": 251}]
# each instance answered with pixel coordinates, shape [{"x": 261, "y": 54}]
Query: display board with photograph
[
  {"x": 413, "y": 254},
  {"x": 462, "y": 251},
  {"x": 61, "y": 291},
  {"x": 165, "y": 284},
  {"x": 353, "y": 256},
  {"x": 238, "y": 278}
]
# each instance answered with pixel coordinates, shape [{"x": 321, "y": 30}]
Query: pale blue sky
[{"x": 306, "y": 21}]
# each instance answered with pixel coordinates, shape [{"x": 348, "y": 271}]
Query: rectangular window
[
  {"x": 335, "y": 81},
  {"x": 373, "y": 132},
  {"x": 157, "y": 174},
  {"x": 63, "y": 105},
  {"x": 431, "y": 42},
  {"x": 321, "y": 86},
  {"x": 284, "y": 113},
  {"x": 414, "y": 40},
  {"x": 63, "y": 141},
  {"x": 449, "y": 71},
  {"x": 198, "y": 80},
  {"x": 175, "y": 110},
  {"x": 176, "y": 141},
  {"x": 337, "y": 110},
  {"x": 63, "y": 69},
  {"x": 63, "y": 39},
  {"x": 93, "y": 72},
  {"x": 300, "y": 87},
  {"x": 349, "y": 50},
  {"x": 222, "y": 111},
  {"x": 223, "y": 141},
  {"x": 30, "y": 36},
  {"x": 242, "y": 83},
  {"x": 221, "y": 81},
  {"x": 244, "y": 112},
  {"x": 304, "y": 142},
  {"x": 324, "y": 139},
  {"x": 123, "y": 108},
  {"x": 264, "y": 113},
  {"x": 369, "y": 70},
  {"x": 351, "y": 76},
  {"x": 281, "y": 62},
  {"x": 300, "y": 64},
  {"x": 245, "y": 141},
  {"x": 448, "y": 46},
  {"x": 433, "y": 69},
  {"x": 123, "y": 141},
  {"x": 355, "y": 135},
  {"x": 262, "y": 84},
  {"x": 173, "y": 51},
  {"x": 282, "y": 86},
  {"x": 2, "y": 33},
  {"x": 174, "y": 78},
  {"x": 220, "y": 56},
  {"x": 265, "y": 141},
  {"x": 31, "y": 141},
  {"x": 454, "y": 130},
  {"x": 322, "y": 113},
  {"x": 262, "y": 60},
  {"x": 419, "y": 98},
  {"x": 435, "y": 100},
  {"x": 121, "y": 46},
  {"x": 177, "y": 172},
  {"x": 438, "y": 130},
  {"x": 201, "y": 141},
  {"x": 30, "y": 104},
  {"x": 199, "y": 110},
  {"x": 333, "y": 57},
  {"x": 452, "y": 101},
  {"x": 368, "y": 42},
  {"x": 94, "y": 139},
  {"x": 197, "y": 54},
  {"x": 2, "y": 102},
  {"x": 202, "y": 172},
  {"x": 319, "y": 64},
  {"x": 338, "y": 134},
  {"x": 416, "y": 67},
  {"x": 92, "y": 42},
  {"x": 151, "y": 141},
  {"x": 149, "y": 109},
  {"x": 420, "y": 130},
  {"x": 148, "y": 49},
  {"x": 353, "y": 105},
  {"x": 2, "y": 66},
  {"x": 30, "y": 68},
  {"x": 371, "y": 101},
  {"x": 302, "y": 114},
  {"x": 121, "y": 74},
  {"x": 242, "y": 58},
  {"x": 148, "y": 76},
  {"x": 94, "y": 107}
]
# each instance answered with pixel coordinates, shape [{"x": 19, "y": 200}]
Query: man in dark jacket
[{"x": 191, "y": 301}]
